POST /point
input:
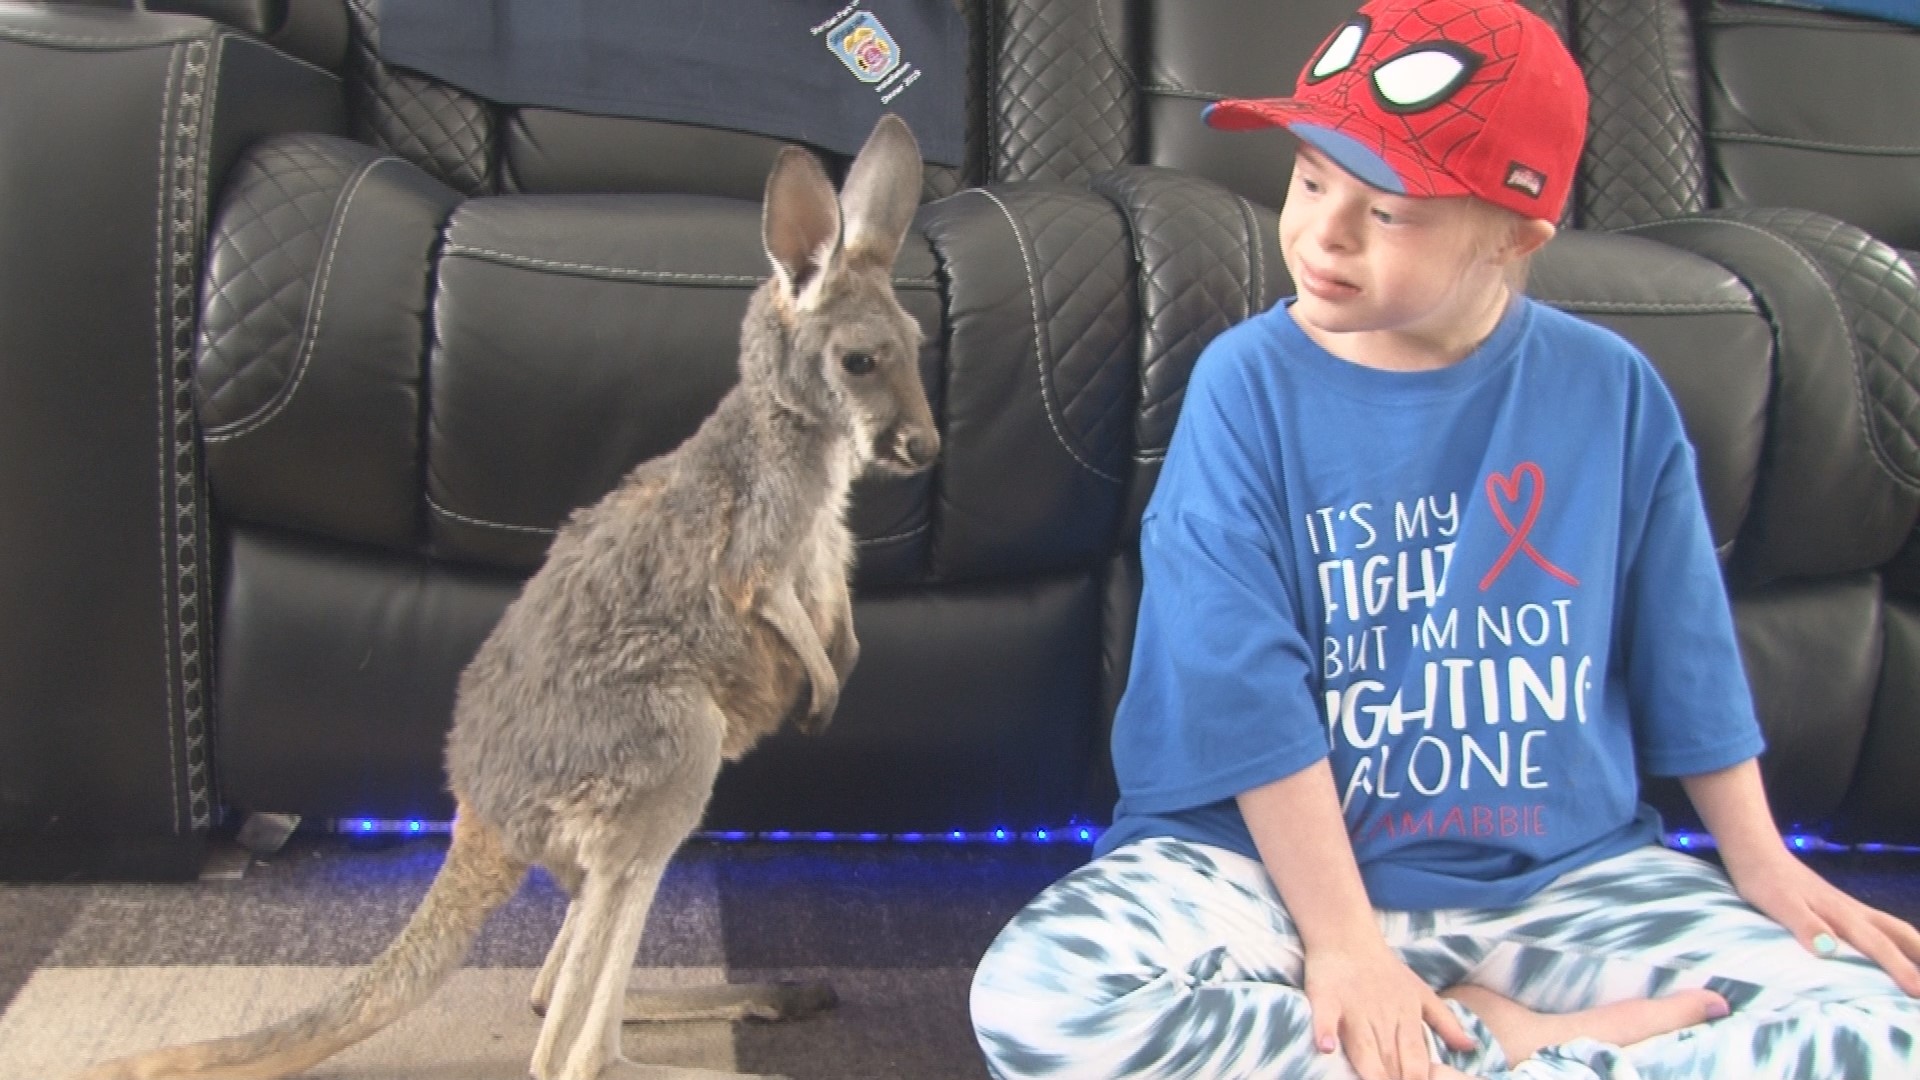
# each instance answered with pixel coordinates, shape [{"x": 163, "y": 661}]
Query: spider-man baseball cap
[{"x": 1439, "y": 97}]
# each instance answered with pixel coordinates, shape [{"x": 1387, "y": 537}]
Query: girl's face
[{"x": 1390, "y": 281}]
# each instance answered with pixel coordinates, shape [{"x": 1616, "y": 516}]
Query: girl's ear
[{"x": 1528, "y": 236}]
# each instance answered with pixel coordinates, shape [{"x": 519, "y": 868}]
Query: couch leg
[{"x": 266, "y": 834}]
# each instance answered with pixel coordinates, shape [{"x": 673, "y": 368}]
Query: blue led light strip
[
  {"x": 1068, "y": 834},
  {"x": 1075, "y": 833},
  {"x": 1798, "y": 841}
]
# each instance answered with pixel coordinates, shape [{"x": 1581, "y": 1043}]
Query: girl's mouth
[{"x": 1323, "y": 286}]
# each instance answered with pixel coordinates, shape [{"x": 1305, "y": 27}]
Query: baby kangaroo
[{"x": 674, "y": 624}]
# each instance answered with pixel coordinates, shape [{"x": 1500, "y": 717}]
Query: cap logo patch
[{"x": 1523, "y": 179}]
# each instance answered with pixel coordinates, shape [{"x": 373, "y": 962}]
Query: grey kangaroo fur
[{"x": 674, "y": 624}]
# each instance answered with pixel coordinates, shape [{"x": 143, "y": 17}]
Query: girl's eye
[
  {"x": 1310, "y": 185},
  {"x": 1384, "y": 217}
]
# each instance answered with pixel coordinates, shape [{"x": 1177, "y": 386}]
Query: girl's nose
[{"x": 1333, "y": 229}]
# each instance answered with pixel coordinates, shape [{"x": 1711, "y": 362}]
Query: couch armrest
[
  {"x": 1844, "y": 439},
  {"x": 115, "y": 127}
]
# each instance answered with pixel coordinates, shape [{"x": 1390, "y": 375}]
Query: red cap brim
[
  {"x": 1252, "y": 114},
  {"x": 1349, "y": 140}
]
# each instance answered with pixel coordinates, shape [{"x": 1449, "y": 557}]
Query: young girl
[{"x": 1427, "y": 579}]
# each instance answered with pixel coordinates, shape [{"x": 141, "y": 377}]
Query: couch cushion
[
  {"x": 1815, "y": 111},
  {"x": 312, "y": 339},
  {"x": 1710, "y": 341},
  {"x": 577, "y": 336}
]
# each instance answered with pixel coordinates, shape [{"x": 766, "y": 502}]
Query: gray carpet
[
  {"x": 93, "y": 971},
  {"x": 89, "y": 971}
]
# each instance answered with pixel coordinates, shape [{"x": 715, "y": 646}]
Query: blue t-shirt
[{"x": 1487, "y": 592}]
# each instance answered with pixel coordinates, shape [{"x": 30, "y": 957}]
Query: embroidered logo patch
[
  {"x": 1521, "y": 178},
  {"x": 864, "y": 45}
]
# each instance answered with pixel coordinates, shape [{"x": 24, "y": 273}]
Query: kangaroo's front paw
[
  {"x": 826, "y": 698},
  {"x": 844, "y": 652}
]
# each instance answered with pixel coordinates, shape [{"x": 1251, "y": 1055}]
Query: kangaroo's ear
[
  {"x": 882, "y": 191},
  {"x": 800, "y": 219}
]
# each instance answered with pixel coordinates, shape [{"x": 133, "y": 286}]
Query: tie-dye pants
[{"x": 1166, "y": 959}]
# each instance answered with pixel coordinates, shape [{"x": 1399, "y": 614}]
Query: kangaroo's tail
[{"x": 478, "y": 876}]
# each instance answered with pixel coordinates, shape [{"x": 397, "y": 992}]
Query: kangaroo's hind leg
[
  {"x": 598, "y": 1040},
  {"x": 766, "y": 1001},
  {"x": 550, "y": 968},
  {"x": 623, "y": 854},
  {"x": 587, "y": 935}
]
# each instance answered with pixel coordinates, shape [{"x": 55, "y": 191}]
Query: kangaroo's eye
[{"x": 857, "y": 363}]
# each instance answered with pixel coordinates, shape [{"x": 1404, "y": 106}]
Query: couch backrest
[
  {"x": 1696, "y": 103},
  {"x": 479, "y": 147},
  {"x": 1087, "y": 84},
  {"x": 1815, "y": 111}
]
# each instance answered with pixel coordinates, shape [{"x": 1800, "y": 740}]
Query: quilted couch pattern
[
  {"x": 1875, "y": 287},
  {"x": 444, "y": 131},
  {"x": 263, "y": 283},
  {"x": 1644, "y": 160},
  {"x": 1203, "y": 268},
  {"x": 398, "y": 332},
  {"x": 1061, "y": 105}
]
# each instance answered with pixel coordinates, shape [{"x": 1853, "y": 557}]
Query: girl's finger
[
  {"x": 1326, "y": 1024},
  {"x": 1363, "y": 1052},
  {"x": 1416, "y": 1057},
  {"x": 1900, "y": 931},
  {"x": 1814, "y": 933},
  {"x": 1446, "y": 1024},
  {"x": 1881, "y": 949}
]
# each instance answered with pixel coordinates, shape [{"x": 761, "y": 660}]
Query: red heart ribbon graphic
[{"x": 1509, "y": 486}]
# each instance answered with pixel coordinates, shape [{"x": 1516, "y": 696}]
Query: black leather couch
[{"x": 305, "y": 356}]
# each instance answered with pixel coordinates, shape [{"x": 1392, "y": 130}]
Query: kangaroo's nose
[{"x": 918, "y": 449}]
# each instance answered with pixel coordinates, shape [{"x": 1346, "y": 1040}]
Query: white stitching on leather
[
  {"x": 1650, "y": 307},
  {"x": 1120, "y": 62},
  {"x": 537, "y": 530},
  {"x": 1257, "y": 295},
  {"x": 1675, "y": 99},
  {"x": 990, "y": 28},
  {"x": 185, "y": 348},
  {"x": 160, "y": 318},
  {"x": 316, "y": 310},
  {"x": 1146, "y": 316},
  {"x": 870, "y": 541},
  {"x": 665, "y": 277},
  {"x": 481, "y": 523},
  {"x": 1039, "y": 347},
  {"x": 1807, "y": 20},
  {"x": 233, "y": 35},
  {"x": 1864, "y": 149},
  {"x": 1127, "y": 215},
  {"x": 24, "y": 34}
]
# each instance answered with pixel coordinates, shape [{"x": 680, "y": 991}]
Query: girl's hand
[
  {"x": 1821, "y": 916},
  {"x": 1367, "y": 1002},
  {"x": 1733, "y": 804}
]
